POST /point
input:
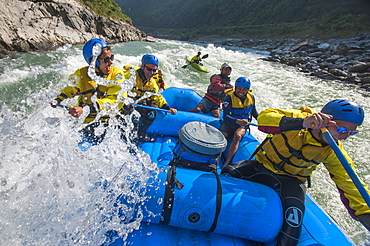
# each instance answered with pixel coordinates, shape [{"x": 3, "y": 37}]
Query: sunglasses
[
  {"x": 151, "y": 69},
  {"x": 343, "y": 130},
  {"x": 107, "y": 59}
]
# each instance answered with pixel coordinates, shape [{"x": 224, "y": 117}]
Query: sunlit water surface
[{"x": 52, "y": 193}]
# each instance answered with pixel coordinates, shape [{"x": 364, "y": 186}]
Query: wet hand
[
  {"x": 242, "y": 122},
  {"x": 173, "y": 110},
  {"x": 75, "y": 111},
  {"x": 318, "y": 120}
]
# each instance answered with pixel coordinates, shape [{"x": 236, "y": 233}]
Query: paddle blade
[
  {"x": 205, "y": 56},
  {"x": 184, "y": 66}
]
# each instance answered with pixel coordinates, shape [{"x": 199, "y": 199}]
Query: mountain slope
[{"x": 255, "y": 18}]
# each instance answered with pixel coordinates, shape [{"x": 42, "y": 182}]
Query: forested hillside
[
  {"x": 107, "y": 8},
  {"x": 254, "y": 18}
]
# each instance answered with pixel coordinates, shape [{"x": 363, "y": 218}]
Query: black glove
[{"x": 365, "y": 220}]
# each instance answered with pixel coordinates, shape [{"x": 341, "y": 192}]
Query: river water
[{"x": 51, "y": 193}]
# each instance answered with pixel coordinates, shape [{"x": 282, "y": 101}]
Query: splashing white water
[{"x": 51, "y": 193}]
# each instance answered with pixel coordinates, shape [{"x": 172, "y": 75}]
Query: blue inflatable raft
[{"x": 206, "y": 208}]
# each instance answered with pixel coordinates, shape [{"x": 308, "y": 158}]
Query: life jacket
[
  {"x": 196, "y": 59},
  {"x": 217, "y": 96},
  {"x": 158, "y": 78},
  {"x": 295, "y": 153},
  {"x": 86, "y": 87},
  {"x": 144, "y": 85},
  {"x": 225, "y": 81},
  {"x": 241, "y": 109}
]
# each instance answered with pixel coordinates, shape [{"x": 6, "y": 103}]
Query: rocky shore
[
  {"x": 343, "y": 60},
  {"x": 36, "y": 25}
]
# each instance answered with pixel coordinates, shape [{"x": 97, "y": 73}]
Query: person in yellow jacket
[
  {"x": 85, "y": 87},
  {"x": 238, "y": 109},
  {"x": 286, "y": 159},
  {"x": 146, "y": 92},
  {"x": 197, "y": 59},
  {"x": 158, "y": 77}
]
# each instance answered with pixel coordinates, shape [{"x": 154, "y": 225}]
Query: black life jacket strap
[
  {"x": 92, "y": 91},
  {"x": 268, "y": 137},
  {"x": 170, "y": 195},
  {"x": 218, "y": 203}
]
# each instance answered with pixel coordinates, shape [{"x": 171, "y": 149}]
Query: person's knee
[
  {"x": 241, "y": 169},
  {"x": 240, "y": 132},
  {"x": 197, "y": 109},
  {"x": 216, "y": 113},
  {"x": 238, "y": 136}
]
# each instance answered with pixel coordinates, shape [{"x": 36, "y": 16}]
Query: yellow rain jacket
[
  {"x": 158, "y": 78},
  {"x": 143, "y": 86},
  {"x": 85, "y": 88},
  {"x": 297, "y": 153}
]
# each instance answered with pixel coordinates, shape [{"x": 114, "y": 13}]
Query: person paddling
[
  {"x": 145, "y": 83},
  {"x": 197, "y": 59},
  {"x": 295, "y": 147},
  {"x": 85, "y": 88}
]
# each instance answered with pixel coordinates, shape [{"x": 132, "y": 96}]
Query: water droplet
[
  {"x": 71, "y": 184},
  {"x": 119, "y": 77},
  {"x": 160, "y": 200},
  {"x": 96, "y": 50},
  {"x": 73, "y": 80}
]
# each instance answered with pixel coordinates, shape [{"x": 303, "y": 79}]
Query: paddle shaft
[
  {"x": 151, "y": 108},
  {"x": 346, "y": 166},
  {"x": 61, "y": 106}
]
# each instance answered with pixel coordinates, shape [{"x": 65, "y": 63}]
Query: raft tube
[
  {"x": 210, "y": 202},
  {"x": 202, "y": 205}
]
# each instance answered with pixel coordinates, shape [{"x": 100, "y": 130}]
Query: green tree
[{"x": 107, "y": 8}]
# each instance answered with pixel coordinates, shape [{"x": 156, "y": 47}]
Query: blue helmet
[
  {"x": 87, "y": 50},
  {"x": 151, "y": 59},
  {"x": 243, "y": 82},
  {"x": 345, "y": 110}
]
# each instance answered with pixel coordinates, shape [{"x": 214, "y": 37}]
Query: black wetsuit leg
[
  {"x": 147, "y": 118},
  {"x": 292, "y": 193}
]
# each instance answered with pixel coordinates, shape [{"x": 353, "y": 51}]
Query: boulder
[
  {"x": 360, "y": 68},
  {"x": 27, "y": 25}
]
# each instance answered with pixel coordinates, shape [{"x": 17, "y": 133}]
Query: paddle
[
  {"x": 151, "y": 108},
  {"x": 203, "y": 57},
  {"x": 346, "y": 166},
  {"x": 61, "y": 106}
]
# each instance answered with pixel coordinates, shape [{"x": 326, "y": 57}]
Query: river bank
[
  {"x": 341, "y": 60},
  {"x": 30, "y": 25}
]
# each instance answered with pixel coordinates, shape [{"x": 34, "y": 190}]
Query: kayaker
[
  {"x": 197, "y": 59},
  {"x": 145, "y": 83},
  {"x": 238, "y": 109},
  {"x": 212, "y": 100},
  {"x": 85, "y": 88},
  {"x": 295, "y": 147}
]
